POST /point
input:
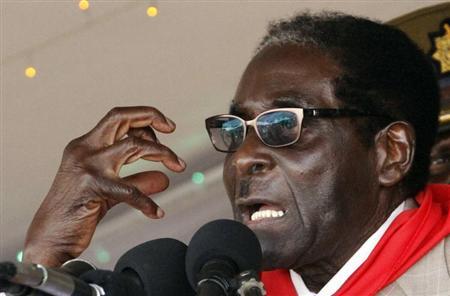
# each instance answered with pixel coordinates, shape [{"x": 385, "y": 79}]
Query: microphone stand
[
  {"x": 212, "y": 286},
  {"x": 249, "y": 284}
]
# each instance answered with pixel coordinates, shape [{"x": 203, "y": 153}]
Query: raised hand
[{"x": 87, "y": 183}]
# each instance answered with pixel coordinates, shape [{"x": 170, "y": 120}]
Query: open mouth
[{"x": 261, "y": 211}]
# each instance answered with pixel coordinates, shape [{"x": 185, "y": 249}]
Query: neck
[{"x": 317, "y": 274}]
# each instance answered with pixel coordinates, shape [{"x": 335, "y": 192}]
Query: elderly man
[{"x": 327, "y": 140}]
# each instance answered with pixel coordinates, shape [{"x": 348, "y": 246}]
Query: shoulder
[{"x": 429, "y": 276}]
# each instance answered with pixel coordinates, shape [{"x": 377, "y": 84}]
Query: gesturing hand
[{"x": 87, "y": 183}]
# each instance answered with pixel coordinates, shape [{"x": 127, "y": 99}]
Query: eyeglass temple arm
[{"x": 323, "y": 112}]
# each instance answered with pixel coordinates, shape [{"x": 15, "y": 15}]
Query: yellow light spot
[
  {"x": 30, "y": 72},
  {"x": 152, "y": 11},
  {"x": 83, "y": 4}
]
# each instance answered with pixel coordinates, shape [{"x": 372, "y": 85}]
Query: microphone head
[
  {"x": 160, "y": 266},
  {"x": 223, "y": 239}
]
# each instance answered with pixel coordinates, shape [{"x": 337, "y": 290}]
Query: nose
[{"x": 253, "y": 157}]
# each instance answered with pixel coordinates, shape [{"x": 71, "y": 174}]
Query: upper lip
[
  {"x": 251, "y": 201},
  {"x": 247, "y": 206}
]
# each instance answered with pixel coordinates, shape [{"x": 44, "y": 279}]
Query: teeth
[{"x": 266, "y": 214}]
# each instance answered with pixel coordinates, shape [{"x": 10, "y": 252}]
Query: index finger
[
  {"x": 120, "y": 191},
  {"x": 116, "y": 123}
]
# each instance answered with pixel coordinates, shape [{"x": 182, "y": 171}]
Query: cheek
[
  {"x": 228, "y": 176},
  {"x": 309, "y": 172},
  {"x": 312, "y": 180},
  {"x": 322, "y": 184},
  {"x": 315, "y": 196}
]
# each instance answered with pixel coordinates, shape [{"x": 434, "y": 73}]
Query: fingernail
[
  {"x": 159, "y": 213},
  {"x": 181, "y": 162}
]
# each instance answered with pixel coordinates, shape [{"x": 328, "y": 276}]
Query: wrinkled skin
[
  {"x": 328, "y": 183},
  {"x": 87, "y": 183}
]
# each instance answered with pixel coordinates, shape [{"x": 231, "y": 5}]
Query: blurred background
[{"x": 65, "y": 63}]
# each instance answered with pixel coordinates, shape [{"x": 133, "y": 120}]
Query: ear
[{"x": 395, "y": 146}]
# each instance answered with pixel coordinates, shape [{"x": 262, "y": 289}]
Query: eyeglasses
[{"x": 275, "y": 128}]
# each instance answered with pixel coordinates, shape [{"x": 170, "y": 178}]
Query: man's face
[{"x": 324, "y": 184}]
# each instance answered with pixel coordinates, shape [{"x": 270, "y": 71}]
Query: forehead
[{"x": 287, "y": 71}]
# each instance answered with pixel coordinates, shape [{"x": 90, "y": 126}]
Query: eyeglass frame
[{"x": 300, "y": 114}]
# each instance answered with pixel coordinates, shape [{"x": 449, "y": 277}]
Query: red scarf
[{"x": 412, "y": 234}]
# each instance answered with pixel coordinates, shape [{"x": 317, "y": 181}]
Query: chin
[
  {"x": 276, "y": 255},
  {"x": 276, "y": 260}
]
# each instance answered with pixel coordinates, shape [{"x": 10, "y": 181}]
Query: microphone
[
  {"x": 154, "y": 268},
  {"x": 49, "y": 280},
  {"x": 158, "y": 266},
  {"x": 74, "y": 267},
  {"x": 217, "y": 253},
  {"x": 77, "y": 267}
]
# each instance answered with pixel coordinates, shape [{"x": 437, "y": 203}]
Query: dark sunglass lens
[
  {"x": 278, "y": 128},
  {"x": 226, "y": 133}
]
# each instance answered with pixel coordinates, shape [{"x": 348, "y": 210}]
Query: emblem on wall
[{"x": 440, "y": 51}]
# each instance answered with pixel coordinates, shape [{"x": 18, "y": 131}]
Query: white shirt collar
[{"x": 354, "y": 262}]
